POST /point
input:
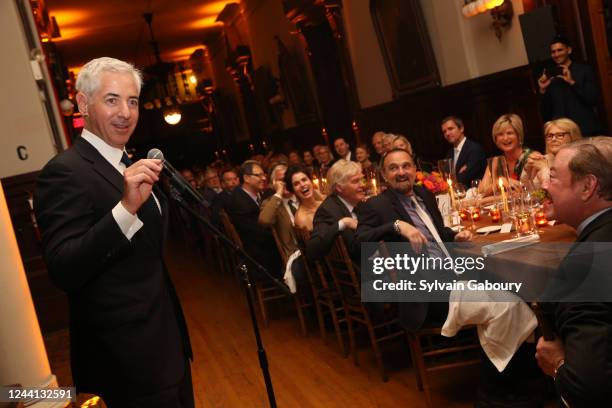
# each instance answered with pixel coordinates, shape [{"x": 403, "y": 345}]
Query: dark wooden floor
[{"x": 305, "y": 371}]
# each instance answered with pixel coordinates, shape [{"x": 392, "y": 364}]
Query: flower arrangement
[{"x": 432, "y": 181}]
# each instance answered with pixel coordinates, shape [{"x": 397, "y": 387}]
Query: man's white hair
[
  {"x": 88, "y": 79},
  {"x": 340, "y": 173}
]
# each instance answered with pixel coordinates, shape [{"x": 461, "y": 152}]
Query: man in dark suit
[
  {"x": 405, "y": 212},
  {"x": 580, "y": 358},
  {"x": 335, "y": 215},
  {"x": 343, "y": 150},
  {"x": 243, "y": 210},
  {"x": 469, "y": 158},
  {"x": 569, "y": 89},
  {"x": 229, "y": 181},
  {"x": 103, "y": 233}
]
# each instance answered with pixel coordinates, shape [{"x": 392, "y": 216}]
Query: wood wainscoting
[{"x": 479, "y": 102}]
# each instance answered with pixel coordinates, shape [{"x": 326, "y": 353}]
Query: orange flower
[
  {"x": 429, "y": 185},
  {"x": 420, "y": 176}
]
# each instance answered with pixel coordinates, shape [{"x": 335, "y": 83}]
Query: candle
[
  {"x": 503, "y": 194},
  {"x": 315, "y": 181},
  {"x": 495, "y": 215},
  {"x": 452, "y": 193},
  {"x": 540, "y": 219},
  {"x": 463, "y": 214},
  {"x": 476, "y": 214},
  {"x": 323, "y": 183},
  {"x": 374, "y": 187}
]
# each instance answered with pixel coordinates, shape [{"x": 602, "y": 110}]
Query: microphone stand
[{"x": 244, "y": 259}]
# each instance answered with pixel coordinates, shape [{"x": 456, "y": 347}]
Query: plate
[{"x": 490, "y": 228}]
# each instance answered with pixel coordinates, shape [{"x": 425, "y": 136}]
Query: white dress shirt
[
  {"x": 457, "y": 151},
  {"x": 127, "y": 222}
]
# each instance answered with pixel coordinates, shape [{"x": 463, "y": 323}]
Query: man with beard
[
  {"x": 580, "y": 358},
  {"x": 405, "y": 212},
  {"x": 569, "y": 89}
]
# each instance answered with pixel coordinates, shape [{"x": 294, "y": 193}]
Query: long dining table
[{"x": 532, "y": 264}]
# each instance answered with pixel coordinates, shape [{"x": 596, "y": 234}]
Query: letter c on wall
[{"x": 22, "y": 153}]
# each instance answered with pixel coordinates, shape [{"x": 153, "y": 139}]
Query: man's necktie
[
  {"x": 292, "y": 207},
  {"x": 429, "y": 225},
  {"x": 126, "y": 160}
]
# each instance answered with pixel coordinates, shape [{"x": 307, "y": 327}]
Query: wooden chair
[
  {"x": 431, "y": 352},
  {"x": 300, "y": 299},
  {"x": 264, "y": 290},
  {"x": 345, "y": 275},
  {"x": 326, "y": 297}
]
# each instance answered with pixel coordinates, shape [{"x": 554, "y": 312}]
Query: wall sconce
[{"x": 501, "y": 11}]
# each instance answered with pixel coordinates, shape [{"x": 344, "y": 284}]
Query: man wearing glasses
[{"x": 243, "y": 209}]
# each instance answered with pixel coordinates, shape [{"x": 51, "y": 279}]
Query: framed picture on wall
[{"x": 405, "y": 45}]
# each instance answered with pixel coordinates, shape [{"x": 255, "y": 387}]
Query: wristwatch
[{"x": 396, "y": 227}]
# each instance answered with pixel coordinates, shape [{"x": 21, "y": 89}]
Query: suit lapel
[
  {"x": 112, "y": 176},
  {"x": 345, "y": 212},
  {"x": 398, "y": 206},
  {"x": 99, "y": 163}
]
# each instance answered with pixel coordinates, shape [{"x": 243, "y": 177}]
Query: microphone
[{"x": 176, "y": 178}]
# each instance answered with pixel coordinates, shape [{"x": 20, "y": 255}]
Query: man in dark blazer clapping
[
  {"x": 103, "y": 230},
  {"x": 469, "y": 158}
]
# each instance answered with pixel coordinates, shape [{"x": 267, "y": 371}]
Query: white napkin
[
  {"x": 509, "y": 244},
  {"x": 502, "y": 326},
  {"x": 288, "y": 276}
]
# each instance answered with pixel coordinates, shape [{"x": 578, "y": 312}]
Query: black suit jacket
[
  {"x": 128, "y": 335},
  {"x": 577, "y": 102},
  {"x": 376, "y": 217},
  {"x": 585, "y": 328},
  {"x": 257, "y": 240},
  {"x": 325, "y": 230},
  {"x": 473, "y": 156}
]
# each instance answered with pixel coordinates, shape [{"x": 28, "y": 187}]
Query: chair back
[
  {"x": 343, "y": 271},
  {"x": 279, "y": 246},
  {"x": 230, "y": 230},
  {"x": 315, "y": 271}
]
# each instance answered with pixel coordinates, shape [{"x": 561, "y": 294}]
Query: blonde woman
[
  {"x": 557, "y": 132},
  {"x": 508, "y": 136}
]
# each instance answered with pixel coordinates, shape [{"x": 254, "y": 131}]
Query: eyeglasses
[
  {"x": 260, "y": 175},
  {"x": 558, "y": 135}
]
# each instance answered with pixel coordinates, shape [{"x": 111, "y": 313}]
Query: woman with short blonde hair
[
  {"x": 557, "y": 133},
  {"x": 508, "y": 135}
]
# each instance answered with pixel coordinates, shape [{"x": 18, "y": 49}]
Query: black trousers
[{"x": 179, "y": 396}]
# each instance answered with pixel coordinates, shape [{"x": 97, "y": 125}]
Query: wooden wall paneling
[{"x": 479, "y": 102}]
